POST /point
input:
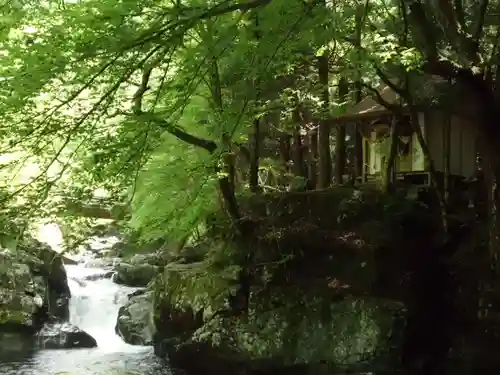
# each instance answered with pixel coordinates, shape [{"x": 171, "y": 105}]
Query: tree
[{"x": 174, "y": 107}]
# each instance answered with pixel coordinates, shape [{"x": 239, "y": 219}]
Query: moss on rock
[
  {"x": 18, "y": 301},
  {"x": 33, "y": 285},
  {"x": 138, "y": 275},
  {"x": 307, "y": 330},
  {"x": 135, "y": 320},
  {"x": 285, "y": 326}
]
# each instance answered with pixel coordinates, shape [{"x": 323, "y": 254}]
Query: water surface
[{"x": 94, "y": 308}]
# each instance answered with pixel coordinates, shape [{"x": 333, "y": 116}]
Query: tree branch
[
  {"x": 425, "y": 28},
  {"x": 457, "y": 34},
  {"x": 478, "y": 32},
  {"x": 449, "y": 23},
  {"x": 180, "y": 134},
  {"x": 459, "y": 11},
  {"x": 191, "y": 19},
  {"x": 379, "y": 99},
  {"x": 463, "y": 43},
  {"x": 144, "y": 85},
  {"x": 176, "y": 131}
]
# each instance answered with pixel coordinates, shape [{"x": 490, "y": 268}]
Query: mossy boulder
[
  {"x": 154, "y": 259},
  {"x": 285, "y": 327},
  {"x": 131, "y": 244},
  {"x": 307, "y": 330},
  {"x": 33, "y": 286},
  {"x": 353, "y": 334},
  {"x": 135, "y": 275},
  {"x": 20, "y": 295},
  {"x": 135, "y": 322}
]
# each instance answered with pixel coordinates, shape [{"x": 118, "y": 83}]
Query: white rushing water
[{"x": 94, "y": 308}]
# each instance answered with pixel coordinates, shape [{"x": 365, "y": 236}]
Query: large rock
[
  {"x": 138, "y": 275},
  {"x": 135, "y": 323},
  {"x": 154, "y": 259},
  {"x": 50, "y": 267},
  {"x": 130, "y": 244},
  {"x": 48, "y": 264},
  {"x": 64, "y": 336},
  {"x": 173, "y": 328},
  {"x": 20, "y": 295},
  {"x": 303, "y": 334},
  {"x": 288, "y": 330},
  {"x": 326, "y": 270},
  {"x": 33, "y": 286}
]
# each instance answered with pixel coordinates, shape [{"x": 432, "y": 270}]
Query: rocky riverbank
[{"x": 34, "y": 299}]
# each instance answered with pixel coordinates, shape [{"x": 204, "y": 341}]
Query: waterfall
[{"x": 94, "y": 306}]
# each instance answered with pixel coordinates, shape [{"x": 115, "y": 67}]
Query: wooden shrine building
[{"x": 449, "y": 135}]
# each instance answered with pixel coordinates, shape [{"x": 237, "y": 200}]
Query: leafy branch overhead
[{"x": 158, "y": 102}]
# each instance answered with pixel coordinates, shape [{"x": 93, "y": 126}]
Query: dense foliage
[
  {"x": 147, "y": 100},
  {"x": 165, "y": 115}
]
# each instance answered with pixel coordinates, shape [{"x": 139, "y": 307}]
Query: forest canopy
[{"x": 172, "y": 106}]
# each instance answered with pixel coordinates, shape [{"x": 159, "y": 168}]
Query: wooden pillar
[
  {"x": 365, "y": 158},
  {"x": 389, "y": 167},
  {"x": 447, "y": 154}
]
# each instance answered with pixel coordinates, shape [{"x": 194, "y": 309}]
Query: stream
[{"x": 94, "y": 308}]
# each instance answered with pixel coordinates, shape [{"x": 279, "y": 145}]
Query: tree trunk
[
  {"x": 358, "y": 94},
  {"x": 407, "y": 97},
  {"x": 340, "y": 134},
  {"x": 358, "y": 139},
  {"x": 254, "y": 157},
  {"x": 229, "y": 161},
  {"x": 415, "y": 123},
  {"x": 298, "y": 167},
  {"x": 325, "y": 159},
  {"x": 227, "y": 181},
  {"x": 492, "y": 181},
  {"x": 229, "y": 199},
  {"x": 447, "y": 165},
  {"x": 389, "y": 175},
  {"x": 255, "y": 153},
  {"x": 285, "y": 156},
  {"x": 313, "y": 158}
]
